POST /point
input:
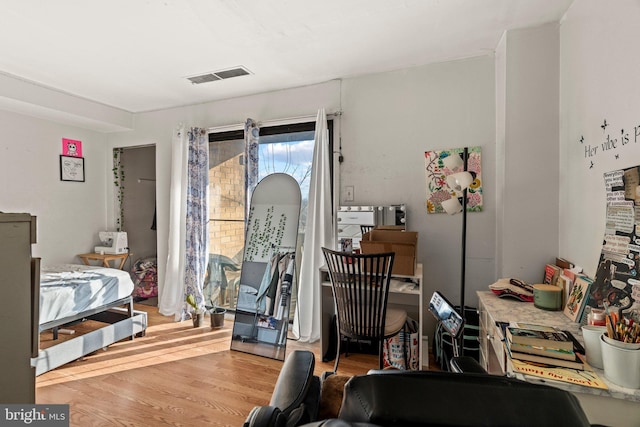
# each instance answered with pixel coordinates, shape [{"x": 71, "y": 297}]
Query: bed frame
[{"x": 121, "y": 321}]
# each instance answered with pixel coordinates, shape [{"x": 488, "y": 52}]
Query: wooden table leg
[{"x": 123, "y": 260}]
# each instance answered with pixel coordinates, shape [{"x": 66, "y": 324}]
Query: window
[{"x": 287, "y": 149}]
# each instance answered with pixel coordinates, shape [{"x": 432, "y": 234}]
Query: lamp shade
[
  {"x": 451, "y": 206},
  {"x": 452, "y": 161},
  {"x": 459, "y": 181}
]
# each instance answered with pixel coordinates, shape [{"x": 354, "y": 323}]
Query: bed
[{"x": 71, "y": 293}]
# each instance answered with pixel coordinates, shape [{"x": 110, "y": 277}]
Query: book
[
  {"x": 540, "y": 337},
  {"x": 586, "y": 377},
  {"x": 575, "y": 363},
  {"x": 552, "y": 353},
  {"x": 571, "y": 274},
  {"x": 551, "y": 274},
  {"x": 564, "y": 263},
  {"x": 577, "y": 299},
  {"x": 565, "y": 283}
]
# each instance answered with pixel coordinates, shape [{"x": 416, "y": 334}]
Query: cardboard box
[
  {"x": 403, "y": 243},
  {"x": 390, "y": 227}
]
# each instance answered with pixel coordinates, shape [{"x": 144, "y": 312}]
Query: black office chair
[{"x": 360, "y": 285}]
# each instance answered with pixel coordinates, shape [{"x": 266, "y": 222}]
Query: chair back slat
[{"x": 360, "y": 284}]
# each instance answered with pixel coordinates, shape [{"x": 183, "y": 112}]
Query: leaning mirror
[{"x": 268, "y": 268}]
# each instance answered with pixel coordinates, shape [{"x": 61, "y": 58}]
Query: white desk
[
  {"x": 617, "y": 406},
  {"x": 402, "y": 294}
]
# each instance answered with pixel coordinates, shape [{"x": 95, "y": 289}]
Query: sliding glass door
[{"x": 287, "y": 149}]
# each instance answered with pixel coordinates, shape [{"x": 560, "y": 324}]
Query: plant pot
[
  {"x": 198, "y": 319},
  {"x": 217, "y": 317}
]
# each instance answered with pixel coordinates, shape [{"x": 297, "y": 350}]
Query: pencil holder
[
  {"x": 621, "y": 365},
  {"x": 591, "y": 335}
]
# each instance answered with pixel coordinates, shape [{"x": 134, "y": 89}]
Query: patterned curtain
[
  {"x": 197, "y": 218},
  {"x": 188, "y": 242},
  {"x": 251, "y": 140}
]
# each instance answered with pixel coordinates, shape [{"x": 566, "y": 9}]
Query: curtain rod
[{"x": 273, "y": 122}]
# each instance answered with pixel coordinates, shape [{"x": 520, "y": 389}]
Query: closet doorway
[{"x": 135, "y": 172}]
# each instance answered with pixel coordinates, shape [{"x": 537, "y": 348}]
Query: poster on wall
[
  {"x": 617, "y": 279},
  {"x": 437, "y": 171},
  {"x": 71, "y": 147}
]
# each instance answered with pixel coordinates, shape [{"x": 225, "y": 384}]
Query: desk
[
  {"x": 105, "y": 258},
  {"x": 405, "y": 292},
  {"x": 617, "y": 406}
]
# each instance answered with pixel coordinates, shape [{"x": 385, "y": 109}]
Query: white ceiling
[{"x": 135, "y": 54}]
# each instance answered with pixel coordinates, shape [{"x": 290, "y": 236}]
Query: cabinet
[
  {"x": 616, "y": 406},
  {"x": 19, "y": 296},
  {"x": 405, "y": 292},
  {"x": 492, "y": 354}
]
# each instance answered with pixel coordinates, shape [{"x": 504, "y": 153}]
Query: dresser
[{"x": 617, "y": 406}]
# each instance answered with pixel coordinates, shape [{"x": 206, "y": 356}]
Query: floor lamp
[{"x": 459, "y": 182}]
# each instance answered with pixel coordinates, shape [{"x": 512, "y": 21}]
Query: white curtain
[
  {"x": 188, "y": 222},
  {"x": 320, "y": 231},
  {"x": 170, "y": 292}
]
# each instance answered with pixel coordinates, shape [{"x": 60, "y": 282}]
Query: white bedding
[{"x": 69, "y": 289}]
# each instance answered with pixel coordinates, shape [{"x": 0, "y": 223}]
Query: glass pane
[
  {"x": 292, "y": 154},
  {"x": 226, "y": 225}
]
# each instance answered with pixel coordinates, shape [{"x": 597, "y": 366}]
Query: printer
[{"x": 112, "y": 242}]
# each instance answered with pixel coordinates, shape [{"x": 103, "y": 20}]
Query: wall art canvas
[
  {"x": 436, "y": 176},
  {"x": 71, "y": 147},
  {"x": 71, "y": 168}
]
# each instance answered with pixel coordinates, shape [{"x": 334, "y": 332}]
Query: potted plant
[
  {"x": 217, "y": 316},
  {"x": 197, "y": 313}
]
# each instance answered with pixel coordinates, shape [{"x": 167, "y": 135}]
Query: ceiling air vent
[{"x": 219, "y": 75}]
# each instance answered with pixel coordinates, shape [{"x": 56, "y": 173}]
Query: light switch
[{"x": 348, "y": 193}]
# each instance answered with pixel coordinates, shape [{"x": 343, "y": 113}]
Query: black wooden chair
[
  {"x": 365, "y": 229},
  {"x": 360, "y": 285}
]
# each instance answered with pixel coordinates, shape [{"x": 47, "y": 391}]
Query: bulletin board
[{"x": 617, "y": 278}]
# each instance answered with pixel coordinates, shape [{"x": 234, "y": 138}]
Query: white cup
[{"x": 591, "y": 335}]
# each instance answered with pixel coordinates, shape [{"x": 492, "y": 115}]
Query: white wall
[
  {"x": 390, "y": 120},
  {"x": 69, "y": 213},
  {"x": 527, "y": 130},
  {"x": 599, "y": 71}
]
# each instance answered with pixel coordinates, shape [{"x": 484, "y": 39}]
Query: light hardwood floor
[{"x": 176, "y": 375}]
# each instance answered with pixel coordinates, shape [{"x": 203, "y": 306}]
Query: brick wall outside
[{"x": 227, "y": 203}]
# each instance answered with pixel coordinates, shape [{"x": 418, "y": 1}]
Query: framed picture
[{"x": 71, "y": 168}]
